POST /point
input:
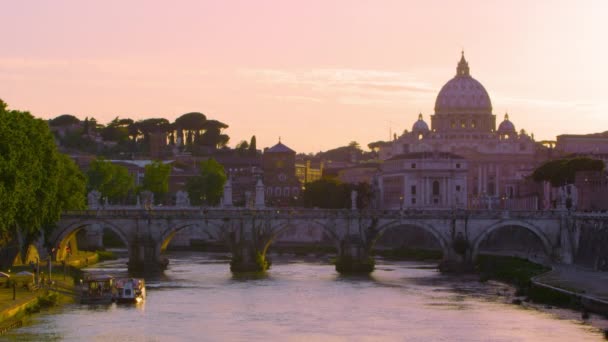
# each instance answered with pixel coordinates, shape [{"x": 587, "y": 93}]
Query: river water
[{"x": 198, "y": 299}]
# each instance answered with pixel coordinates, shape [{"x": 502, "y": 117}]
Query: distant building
[
  {"x": 279, "y": 167},
  {"x": 360, "y": 173},
  {"x": 243, "y": 171},
  {"x": 309, "y": 171},
  {"x": 592, "y": 190},
  {"x": 423, "y": 180},
  {"x": 464, "y": 125},
  {"x": 583, "y": 144}
]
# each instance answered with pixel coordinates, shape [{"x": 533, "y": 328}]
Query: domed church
[{"x": 462, "y": 160}]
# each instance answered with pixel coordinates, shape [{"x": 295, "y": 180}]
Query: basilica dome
[
  {"x": 463, "y": 93},
  {"x": 420, "y": 126},
  {"x": 506, "y": 126}
]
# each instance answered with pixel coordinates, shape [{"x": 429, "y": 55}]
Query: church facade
[{"x": 491, "y": 160}]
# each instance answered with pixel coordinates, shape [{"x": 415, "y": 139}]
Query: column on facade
[
  {"x": 427, "y": 193},
  {"x": 498, "y": 182},
  {"x": 450, "y": 192},
  {"x": 479, "y": 176},
  {"x": 422, "y": 191},
  {"x": 484, "y": 179}
]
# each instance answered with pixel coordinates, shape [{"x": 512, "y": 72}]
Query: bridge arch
[
  {"x": 64, "y": 234},
  {"x": 512, "y": 223},
  {"x": 443, "y": 242},
  {"x": 169, "y": 233}
]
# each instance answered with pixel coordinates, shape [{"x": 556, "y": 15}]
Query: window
[
  {"x": 463, "y": 124},
  {"x": 436, "y": 201},
  {"x": 458, "y": 165},
  {"x": 473, "y": 124},
  {"x": 457, "y": 187},
  {"x": 413, "y": 189},
  {"x": 413, "y": 165},
  {"x": 277, "y": 191},
  {"x": 286, "y": 192},
  {"x": 413, "y": 201},
  {"x": 420, "y": 136},
  {"x": 453, "y": 124},
  {"x": 435, "y": 188}
]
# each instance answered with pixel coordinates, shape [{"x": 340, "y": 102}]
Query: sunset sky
[{"x": 317, "y": 73}]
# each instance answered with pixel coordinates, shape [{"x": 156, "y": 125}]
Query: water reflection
[{"x": 303, "y": 299}]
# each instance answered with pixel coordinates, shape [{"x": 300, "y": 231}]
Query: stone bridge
[{"x": 250, "y": 232}]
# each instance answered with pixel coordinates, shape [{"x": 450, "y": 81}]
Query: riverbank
[
  {"x": 26, "y": 298},
  {"x": 566, "y": 291}
]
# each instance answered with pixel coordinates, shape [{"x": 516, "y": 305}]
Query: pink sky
[{"x": 317, "y": 73}]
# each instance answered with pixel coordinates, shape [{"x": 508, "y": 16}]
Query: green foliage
[
  {"x": 344, "y": 153},
  {"x": 253, "y": 146},
  {"x": 262, "y": 262},
  {"x": 156, "y": 179},
  {"x": 117, "y": 130},
  {"x": 208, "y": 186},
  {"x": 32, "y": 191},
  {"x": 329, "y": 193},
  {"x": 71, "y": 193},
  {"x": 562, "y": 171},
  {"x": 113, "y": 181},
  {"x": 106, "y": 255},
  {"x": 348, "y": 264},
  {"x": 64, "y": 120},
  {"x": 512, "y": 270}
]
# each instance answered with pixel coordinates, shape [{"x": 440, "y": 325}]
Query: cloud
[
  {"x": 545, "y": 103},
  {"x": 347, "y": 86}
]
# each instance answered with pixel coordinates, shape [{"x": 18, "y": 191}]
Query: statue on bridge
[
  {"x": 259, "y": 195},
  {"x": 93, "y": 199},
  {"x": 182, "y": 199},
  {"x": 227, "y": 195},
  {"x": 148, "y": 199}
]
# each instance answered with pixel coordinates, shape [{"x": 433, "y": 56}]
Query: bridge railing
[{"x": 305, "y": 213}]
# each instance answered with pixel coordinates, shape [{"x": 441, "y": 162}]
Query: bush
[{"x": 106, "y": 255}]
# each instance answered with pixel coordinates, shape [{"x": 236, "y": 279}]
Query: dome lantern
[{"x": 463, "y": 66}]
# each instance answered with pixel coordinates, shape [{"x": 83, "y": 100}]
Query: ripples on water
[{"x": 198, "y": 299}]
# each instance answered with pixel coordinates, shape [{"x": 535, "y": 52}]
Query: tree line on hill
[{"x": 192, "y": 132}]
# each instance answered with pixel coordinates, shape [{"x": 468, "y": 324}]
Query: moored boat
[
  {"x": 130, "y": 290},
  {"x": 97, "y": 289}
]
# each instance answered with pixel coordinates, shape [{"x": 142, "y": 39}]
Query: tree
[
  {"x": 113, "y": 181},
  {"x": 208, "y": 186},
  {"x": 189, "y": 126},
  {"x": 64, "y": 120},
  {"x": 156, "y": 179},
  {"x": 71, "y": 193},
  {"x": 117, "y": 130},
  {"x": 213, "y": 136},
  {"x": 242, "y": 148},
  {"x": 562, "y": 171},
  {"x": 327, "y": 193},
  {"x": 253, "y": 149},
  {"x": 32, "y": 191}
]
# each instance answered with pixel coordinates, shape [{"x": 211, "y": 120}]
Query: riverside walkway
[{"x": 584, "y": 282}]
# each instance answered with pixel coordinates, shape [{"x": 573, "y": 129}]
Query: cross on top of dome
[{"x": 463, "y": 66}]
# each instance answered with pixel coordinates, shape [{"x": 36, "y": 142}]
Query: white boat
[{"x": 130, "y": 290}]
